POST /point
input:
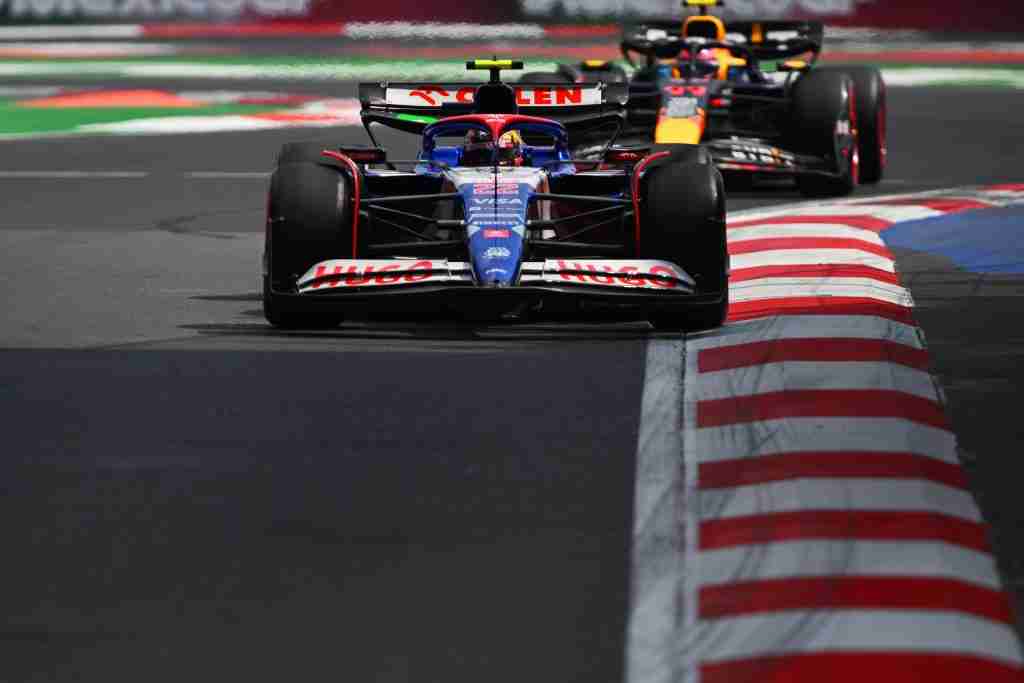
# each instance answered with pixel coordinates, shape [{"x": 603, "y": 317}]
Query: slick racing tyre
[
  {"x": 823, "y": 120},
  {"x": 308, "y": 220},
  {"x": 872, "y": 114},
  {"x": 309, "y": 151},
  {"x": 683, "y": 221}
]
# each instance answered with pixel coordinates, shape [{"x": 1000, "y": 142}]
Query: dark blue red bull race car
[
  {"x": 701, "y": 79},
  {"x": 494, "y": 219}
]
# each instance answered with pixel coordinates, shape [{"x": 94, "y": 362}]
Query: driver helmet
[
  {"x": 477, "y": 148},
  {"x": 705, "y": 66},
  {"x": 510, "y": 149}
]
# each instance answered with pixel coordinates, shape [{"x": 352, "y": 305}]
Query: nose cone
[
  {"x": 496, "y": 224},
  {"x": 496, "y": 253}
]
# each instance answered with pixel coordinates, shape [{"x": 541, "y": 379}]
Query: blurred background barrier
[{"x": 928, "y": 15}]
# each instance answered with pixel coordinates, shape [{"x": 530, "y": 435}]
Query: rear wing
[
  {"x": 411, "y": 107},
  {"x": 664, "y": 39},
  {"x": 777, "y": 39}
]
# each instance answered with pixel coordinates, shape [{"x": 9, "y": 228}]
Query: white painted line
[
  {"x": 811, "y": 257},
  {"x": 816, "y": 434},
  {"x": 101, "y": 31},
  {"x": 856, "y": 494},
  {"x": 232, "y": 175},
  {"x": 784, "y": 288},
  {"x": 815, "y": 375},
  {"x": 822, "y": 557},
  {"x": 128, "y": 175},
  {"x": 811, "y": 327},
  {"x": 657, "y": 552},
  {"x": 74, "y": 175},
  {"x": 823, "y": 230}
]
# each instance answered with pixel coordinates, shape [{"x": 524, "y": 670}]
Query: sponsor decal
[
  {"x": 495, "y": 188},
  {"x": 843, "y": 128},
  {"x": 434, "y": 95},
  {"x": 492, "y": 201},
  {"x": 496, "y": 234},
  {"x": 489, "y": 216},
  {"x": 681, "y": 107},
  {"x": 641, "y": 274},
  {"x": 497, "y": 252},
  {"x": 359, "y": 274},
  {"x": 762, "y": 154}
]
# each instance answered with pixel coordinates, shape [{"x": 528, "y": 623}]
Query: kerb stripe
[
  {"x": 778, "y": 405},
  {"x": 819, "y": 305},
  {"x": 853, "y": 592},
  {"x": 830, "y": 350},
  {"x": 863, "y": 222},
  {"x": 876, "y": 525},
  {"x": 857, "y": 667},
  {"x": 816, "y": 271},
  {"x": 750, "y": 471},
  {"x": 784, "y": 243}
]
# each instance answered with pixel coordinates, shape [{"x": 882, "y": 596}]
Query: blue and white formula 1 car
[{"x": 494, "y": 219}]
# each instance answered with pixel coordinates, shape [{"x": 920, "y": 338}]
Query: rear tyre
[
  {"x": 872, "y": 115},
  {"x": 823, "y": 125},
  {"x": 683, "y": 221},
  {"x": 308, "y": 220}
]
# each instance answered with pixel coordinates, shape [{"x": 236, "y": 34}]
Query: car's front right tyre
[
  {"x": 308, "y": 221},
  {"x": 683, "y": 221}
]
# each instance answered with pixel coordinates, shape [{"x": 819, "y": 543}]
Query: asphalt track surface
[{"x": 188, "y": 494}]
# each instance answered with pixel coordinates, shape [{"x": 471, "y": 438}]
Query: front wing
[
  {"x": 628, "y": 288},
  {"x": 757, "y": 157}
]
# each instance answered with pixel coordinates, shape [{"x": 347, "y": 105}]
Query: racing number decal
[{"x": 763, "y": 155}]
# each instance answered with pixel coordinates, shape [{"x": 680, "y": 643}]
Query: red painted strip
[
  {"x": 764, "y": 469},
  {"x": 823, "y": 350},
  {"x": 853, "y": 592},
  {"x": 947, "y": 205},
  {"x": 637, "y": 172},
  {"x": 863, "y": 222},
  {"x": 861, "y": 666},
  {"x": 1006, "y": 187},
  {"x": 356, "y": 189},
  {"x": 926, "y": 57},
  {"x": 868, "y": 525},
  {"x": 775, "y": 243},
  {"x": 822, "y": 305},
  {"x": 277, "y": 28},
  {"x": 816, "y": 270},
  {"x": 777, "y": 405},
  {"x": 581, "y": 31}
]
